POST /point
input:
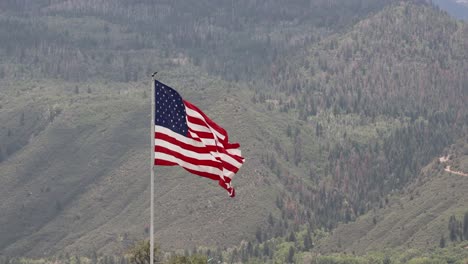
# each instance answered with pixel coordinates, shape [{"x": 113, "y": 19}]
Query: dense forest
[
  {"x": 373, "y": 91},
  {"x": 235, "y": 39}
]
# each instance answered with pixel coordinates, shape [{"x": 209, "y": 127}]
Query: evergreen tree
[
  {"x": 292, "y": 237},
  {"x": 307, "y": 241},
  {"x": 290, "y": 257},
  {"x": 258, "y": 235},
  {"x": 465, "y": 226},
  {"x": 442, "y": 241},
  {"x": 453, "y": 228}
]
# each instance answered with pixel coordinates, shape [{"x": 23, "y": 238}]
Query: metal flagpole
[{"x": 153, "y": 87}]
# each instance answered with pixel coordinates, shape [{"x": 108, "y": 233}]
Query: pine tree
[
  {"x": 290, "y": 258},
  {"x": 442, "y": 241},
  {"x": 453, "y": 228},
  {"x": 465, "y": 226},
  {"x": 266, "y": 250},
  {"x": 292, "y": 237},
  {"x": 258, "y": 235},
  {"x": 307, "y": 241}
]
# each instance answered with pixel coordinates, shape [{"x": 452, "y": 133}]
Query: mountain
[
  {"x": 333, "y": 116},
  {"x": 80, "y": 183},
  {"x": 457, "y": 8},
  {"x": 416, "y": 218}
]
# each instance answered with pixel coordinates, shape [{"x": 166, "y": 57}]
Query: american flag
[{"x": 185, "y": 136}]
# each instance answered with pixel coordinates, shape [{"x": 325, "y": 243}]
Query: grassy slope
[
  {"x": 91, "y": 164},
  {"x": 81, "y": 183},
  {"x": 416, "y": 218}
]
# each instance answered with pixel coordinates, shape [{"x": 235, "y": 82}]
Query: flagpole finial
[{"x": 154, "y": 74}]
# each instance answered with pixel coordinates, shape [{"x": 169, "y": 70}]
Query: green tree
[
  {"x": 465, "y": 226},
  {"x": 442, "y": 241},
  {"x": 292, "y": 237},
  {"x": 453, "y": 228},
  {"x": 290, "y": 257},
  {"x": 194, "y": 259},
  {"x": 307, "y": 241},
  {"x": 140, "y": 253}
]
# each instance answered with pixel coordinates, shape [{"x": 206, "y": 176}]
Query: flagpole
[{"x": 152, "y": 170}]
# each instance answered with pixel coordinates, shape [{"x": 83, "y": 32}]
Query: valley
[{"x": 351, "y": 115}]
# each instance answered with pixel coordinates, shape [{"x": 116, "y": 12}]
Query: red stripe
[
  {"x": 229, "y": 166},
  {"x": 202, "y": 134},
  {"x": 196, "y": 121},
  {"x": 207, "y": 119},
  {"x": 193, "y": 161},
  {"x": 202, "y": 149},
  {"x": 160, "y": 162},
  {"x": 237, "y": 158}
]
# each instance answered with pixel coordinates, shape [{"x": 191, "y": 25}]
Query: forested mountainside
[
  {"x": 430, "y": 213},
  {"x": 76, "y": 40},
  {"x": 337, "y": 105},
  {"x": 380, "y": 71}
]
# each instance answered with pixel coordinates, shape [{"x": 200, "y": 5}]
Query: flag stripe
[
  {"x": 199, "y": 168},
  {"x": 194, "y": 112},
  {"x": 231, "y": 163},
  {"x": 199, "y": 128},
  {"x": 166, "y": 155},
  {"x": 158, "y": 162},
  {"x": 186, "y": 159},
  {"x": 185, "y": 145},
  {"x": 185, "y": 136},
  {"x": 228, "y": 169},
  {"x": 186, "y": 152}
]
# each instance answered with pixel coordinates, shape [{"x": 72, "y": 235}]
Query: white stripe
[
  {"x": 228, "y": 174},
  {"x": 200, "y": 128},
  {"x": 188, "y": 153},
  {"x": 196, "y": 114},
  {"x": 230, "y": 160},
  {"x": 185, "y": 152},
  {"x": 201, "y": 168},
  {"x": 235, "y": 152},
  {"x": 179, "y": 137},
  {"x": 205, "y": 142},
  {"x": 223, "y": 156}
]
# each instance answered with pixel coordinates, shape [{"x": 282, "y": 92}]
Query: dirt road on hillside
[{"x": 447, "y": 167}]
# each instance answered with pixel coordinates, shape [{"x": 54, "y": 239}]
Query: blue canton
[{"x": 170, "y": 109}]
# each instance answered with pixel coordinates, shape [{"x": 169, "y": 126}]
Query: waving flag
[{"x": 185, "y": 136}]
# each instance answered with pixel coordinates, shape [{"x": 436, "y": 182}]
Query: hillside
[
  {"x": 416, "y": 218},
  {"x": 80, "y": 184},
  {"x": 332, "y": 117},
  {"x": 387, "y": 70}
]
